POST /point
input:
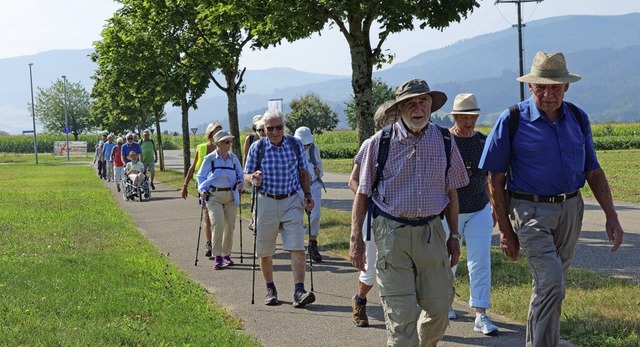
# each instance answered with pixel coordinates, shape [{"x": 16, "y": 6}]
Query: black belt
[
  {"x": 544, "y": 198},
  {"x": 279, "y": 196},
  {"x": 412, "y": 222},
  {"x": 216, "y": 189}
]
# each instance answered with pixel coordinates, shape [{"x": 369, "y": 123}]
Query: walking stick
[
  {"x": 255, "y": 236},
  {"x": 240, "y": 220},
  {"x": 310, "y": 259},
  {"x": 199, "y": 231}
]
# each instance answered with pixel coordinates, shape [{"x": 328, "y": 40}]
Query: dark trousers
[{"x": 102, "y": 169}]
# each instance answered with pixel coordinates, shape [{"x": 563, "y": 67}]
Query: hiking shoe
[
  {"x": 313, "y": 251},
  {"x": 271, "y": 299},
  {"x": 153, "y": 187},
  {"x": 301, "y": 298},
  {"x": 217, "y": 264},
  {"x": 208, "y": 246},
  {"x": 360, "y": 318},
  {"x": 251, "y": 225},
  {"x": 118, "y": 187},
  {"x": 483, "y": 324},
  {"x": 452, "y": 314},
  {"x": 226, "y": 261}
]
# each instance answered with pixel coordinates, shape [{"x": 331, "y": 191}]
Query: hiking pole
[
  {"x": 240, "y": 220},
  {"x": 255, "y": 236},
  {"x": 199, "y": 232},
  {"x": 309, "y": 250}
]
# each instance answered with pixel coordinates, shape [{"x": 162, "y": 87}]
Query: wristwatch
[{"x": 455, "y": 236}]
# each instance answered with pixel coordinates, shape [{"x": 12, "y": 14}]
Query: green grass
[
  {"x": 75, "y": 271},
  {"x": 622, "y": 168},
  {"x": 43, "y": 158}
]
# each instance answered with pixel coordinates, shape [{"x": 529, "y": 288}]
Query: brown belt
[{"x": 279, "y": 196}]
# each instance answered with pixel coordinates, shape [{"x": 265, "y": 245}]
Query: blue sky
[{"x": 32, "y": 26}]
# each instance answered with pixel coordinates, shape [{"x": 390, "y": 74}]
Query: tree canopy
[
  {"x": 50, "y": 109},
  {"x": 380, "y": 92},
  {"x": 311, "y": 112}
]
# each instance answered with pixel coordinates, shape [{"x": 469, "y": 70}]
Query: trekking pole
[
  {"x": 199, "y": 231},
  {"x": 240, "y": 221},
  {"x": 309, "y": 251},
  {"x": 255, "y": 236}
]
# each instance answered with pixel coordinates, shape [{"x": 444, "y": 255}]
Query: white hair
[{"x": 272, "y": 113}]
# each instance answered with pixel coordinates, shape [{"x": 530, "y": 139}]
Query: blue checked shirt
[{"x": 280, "y": 165}]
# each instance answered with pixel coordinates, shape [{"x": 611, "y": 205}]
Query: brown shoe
[{"x": 360, "y": 318}]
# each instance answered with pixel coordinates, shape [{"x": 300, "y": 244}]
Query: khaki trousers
[
  {"x": 413, "y": 271},
  {"x": 222, "y": 214}
]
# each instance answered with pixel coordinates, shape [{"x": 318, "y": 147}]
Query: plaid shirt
[
  {"x": 280, "y": 166},
  {"x": 414, "y": 185}
]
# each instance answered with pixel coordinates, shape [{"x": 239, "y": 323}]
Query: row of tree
[{"x": 155, "y": 52}]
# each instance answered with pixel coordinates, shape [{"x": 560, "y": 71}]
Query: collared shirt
[
  {"x": 107, "y": 148},
  {"x": 546, "y": 158},
  {"x": 138, "y": 166},
  {"x": 363, "y": 148},
  {"x": 223, "y": 178},
  {"x": 280, "y": 165},
  {"x": 414, "y": 183}
]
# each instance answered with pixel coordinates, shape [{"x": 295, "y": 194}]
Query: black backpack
[{"x": 381, "y": 160}]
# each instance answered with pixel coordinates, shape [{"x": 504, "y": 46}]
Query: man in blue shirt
[
  {"x": 130, "y": 146},
  {"x": 548, "y": 159},
  {"x": 280, "y": 174}
]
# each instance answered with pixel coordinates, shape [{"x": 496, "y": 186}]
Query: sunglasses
[
  {"x": 277, "y": 127},
  {"x": 226, "y": 142},
  {"x": 261, "y": 130},
  {"x": 129, "y": 138}
]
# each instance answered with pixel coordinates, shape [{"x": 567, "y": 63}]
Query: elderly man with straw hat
[
  {"x": 543, "y": 151},
  {"x": 416, "y": 186}
]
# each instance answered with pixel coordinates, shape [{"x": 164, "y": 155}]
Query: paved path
[{"x": 171, "y": 224}]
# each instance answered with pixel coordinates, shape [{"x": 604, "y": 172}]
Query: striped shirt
[
  {"x": 280, "y": 165},
  {"x": 413, "y": 184}
]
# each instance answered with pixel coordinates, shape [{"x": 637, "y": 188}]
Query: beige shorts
[{"x": 279, "y": 216}]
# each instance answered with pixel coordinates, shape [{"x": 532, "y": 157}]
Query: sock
[
  {"x": 298, "y": 287},
  {"x": 271, "y": 285},
  {"x": 360, "y": 301}
]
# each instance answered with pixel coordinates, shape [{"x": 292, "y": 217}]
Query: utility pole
[
  {"x": 519, "y": 26},
  {"x": 33, "y": 114},
  {"x": 66, "y": 118}
]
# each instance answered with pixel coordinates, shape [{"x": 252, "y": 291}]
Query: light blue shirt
[
  {"x": 546, "y": 158},
  {"x": 227, "y": 173}
]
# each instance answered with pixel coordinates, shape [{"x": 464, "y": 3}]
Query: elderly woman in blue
[{"x": 220, "y": 183}]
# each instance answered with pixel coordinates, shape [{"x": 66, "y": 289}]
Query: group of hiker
[{"x": 420, "y": 191}]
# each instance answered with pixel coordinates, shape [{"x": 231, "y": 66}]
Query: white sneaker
[
  {"x": 452, "y": 314},
  {"x": 483, "y": 324}
]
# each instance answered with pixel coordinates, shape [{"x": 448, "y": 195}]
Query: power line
[{"x": 519, "y": 26}]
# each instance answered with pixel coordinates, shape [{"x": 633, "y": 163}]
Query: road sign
[
  {"x": 194, "y": 130},
  {"x": 67, "y": 130},
  {"x": 27, "y": 131}
]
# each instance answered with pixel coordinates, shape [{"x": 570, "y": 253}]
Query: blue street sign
[
  {"x": 27, "y": 131},
  {"x": 67, "y": 130}
]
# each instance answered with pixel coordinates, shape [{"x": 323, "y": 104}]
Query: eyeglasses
[
  {"x": 129, "y": 138},
  {"x": 261, "y": 130},
  {"x": 277, "y": 127},
  {"x": 226, "y": 142}
]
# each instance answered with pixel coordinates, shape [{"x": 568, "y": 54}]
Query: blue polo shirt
[
  {"x": 126, "y": 149},
  {"x": 280, "y": 165},
  {"x": 546, "y": 158}
]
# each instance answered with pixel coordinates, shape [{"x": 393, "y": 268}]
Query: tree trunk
[
  {"x": 186, "y": 142},
  {"x": 362, "y": 68},
  {"x": 232, "y": 109},
  {"x": 158, "y": 114}
]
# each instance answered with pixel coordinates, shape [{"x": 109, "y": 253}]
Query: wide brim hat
[
  {"x": 465, "y": 103},
  {"x": 210, "y": 128},
  {"x": 549, "y": 68},
  {"x": 222, "y": 136},
  {"x": 132, "y": 154},
  {"x": 413, "y": 88},
  {"x": 304, "y": 135}
]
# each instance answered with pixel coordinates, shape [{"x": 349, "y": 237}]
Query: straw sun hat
[{"x": 549, "y": 68}]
